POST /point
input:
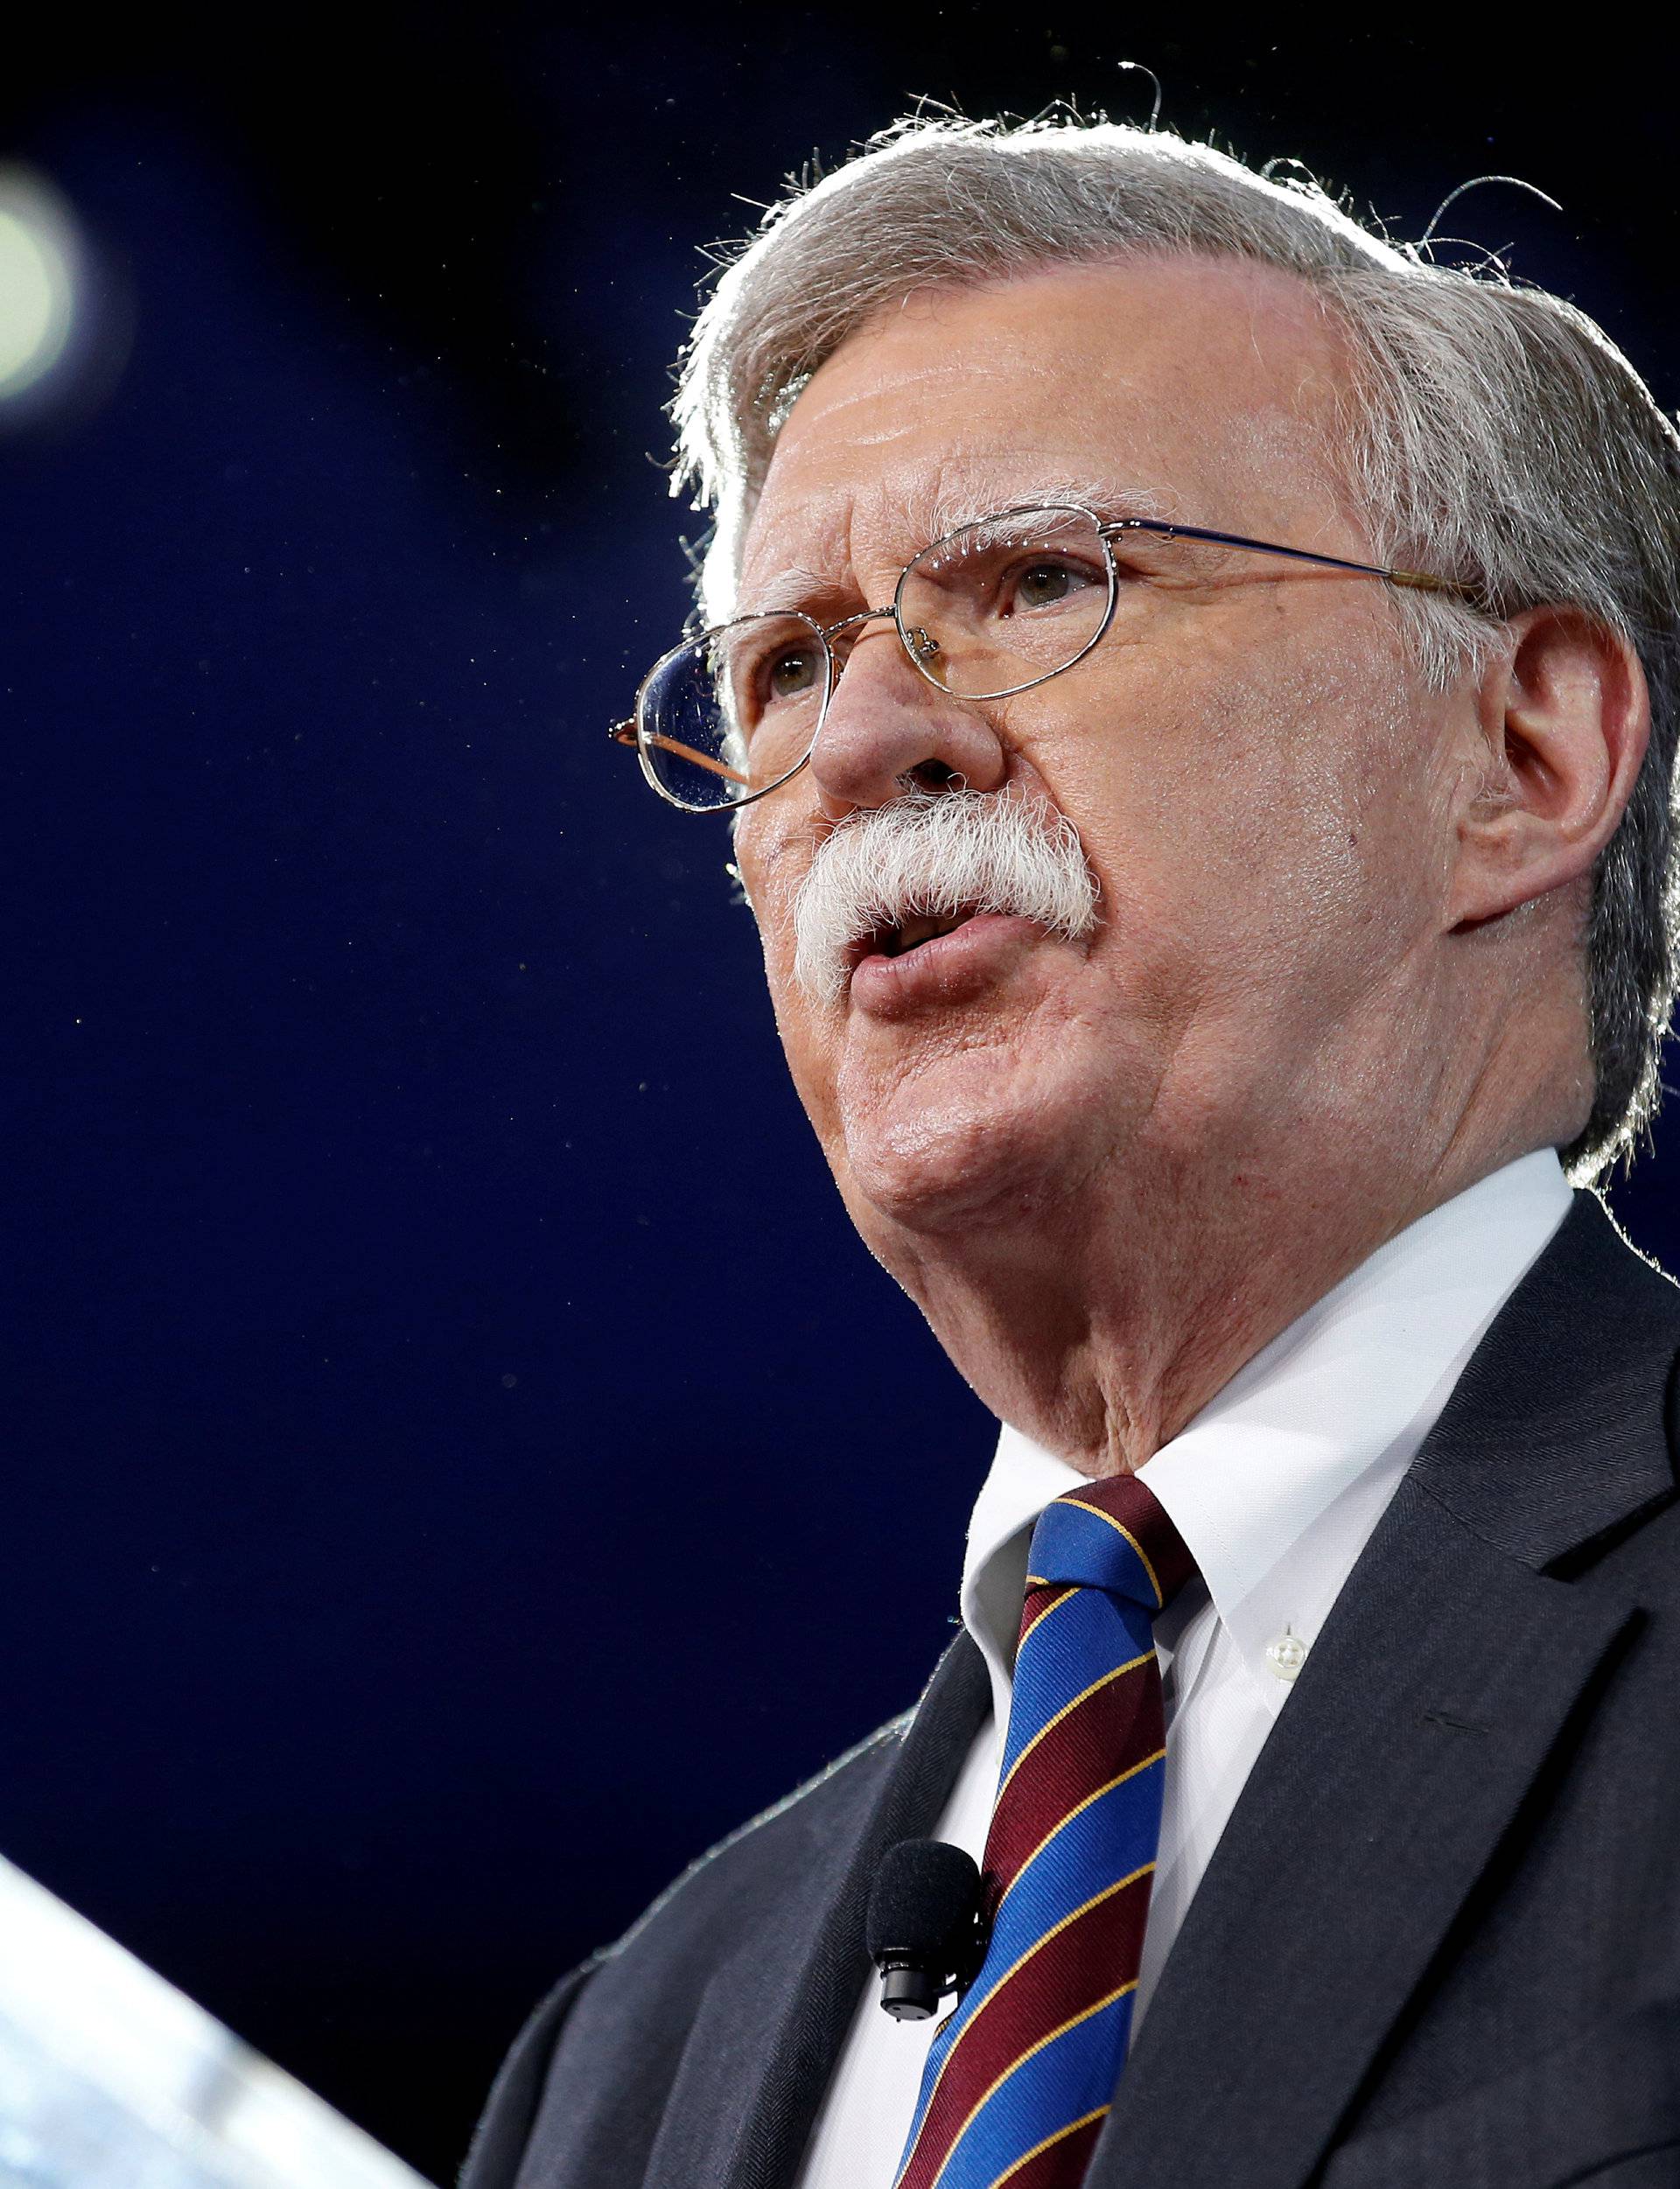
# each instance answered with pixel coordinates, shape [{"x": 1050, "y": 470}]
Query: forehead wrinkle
[{"x": 909, "y": 523}]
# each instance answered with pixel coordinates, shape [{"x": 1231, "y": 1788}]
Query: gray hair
[{"x": 1495, "y": 434}]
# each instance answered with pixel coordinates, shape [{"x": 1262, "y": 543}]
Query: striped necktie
[{"x": 1018, "y": 2080}]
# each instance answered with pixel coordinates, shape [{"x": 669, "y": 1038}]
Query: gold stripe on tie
[{"x": 1038, "y": 2149}]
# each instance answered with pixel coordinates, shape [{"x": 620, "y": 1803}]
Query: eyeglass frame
[{"x": 629, "y": 732}]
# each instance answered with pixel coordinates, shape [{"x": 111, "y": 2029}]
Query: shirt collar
[{"x": 1277, "y": 1482}]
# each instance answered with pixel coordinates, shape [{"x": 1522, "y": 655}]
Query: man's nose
[{"x": 888, "y": 729}]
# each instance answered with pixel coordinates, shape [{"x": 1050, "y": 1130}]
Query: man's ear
[{"x": 1565, "y": 718}]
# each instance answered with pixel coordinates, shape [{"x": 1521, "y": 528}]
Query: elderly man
[{"x": 1195, "y": 687}]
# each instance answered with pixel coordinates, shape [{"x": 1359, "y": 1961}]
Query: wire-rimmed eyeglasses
[{"x": 993, "y": 608}]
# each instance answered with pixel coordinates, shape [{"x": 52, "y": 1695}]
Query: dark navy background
[{"x": 459, "y": 1461}]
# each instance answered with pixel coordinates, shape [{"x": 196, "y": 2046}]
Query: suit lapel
[
  {"x": 1428, "y": 1705},
  {"x": 1447, "y": 1674},
  {"x": 772, "y": 2019}
]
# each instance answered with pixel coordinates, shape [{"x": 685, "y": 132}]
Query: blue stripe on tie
[
  {"x": 1072, "y": 1543},
  {"x": 1072, "y": 2075},
  {"x": 1086, "y": 1635}
]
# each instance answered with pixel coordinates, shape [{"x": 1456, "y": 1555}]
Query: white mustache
[{"x": 936, "y": 854}]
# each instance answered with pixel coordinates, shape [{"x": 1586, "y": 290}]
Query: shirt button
[{"x": 1286, "y": 1654}]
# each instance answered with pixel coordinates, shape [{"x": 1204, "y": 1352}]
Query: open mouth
[
  {"x": 895, "y": 943},
  {"x": 961, "y": 952}
]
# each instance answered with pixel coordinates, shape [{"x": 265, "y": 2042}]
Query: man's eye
[
  {"x": 790, "y": 673},
  {"x": 1046, "y": 584}
]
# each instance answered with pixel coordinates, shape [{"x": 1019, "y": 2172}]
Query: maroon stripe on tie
[
  {"x": 1066, "y": 1974},
  {"x": 1062, "y": 2165},
  {"x": 1115, "y": 1726}
]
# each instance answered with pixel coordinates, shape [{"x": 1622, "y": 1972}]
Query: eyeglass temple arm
[
  {"x": 1420, "y": 580},
  {"x": 625, "y": 733}
]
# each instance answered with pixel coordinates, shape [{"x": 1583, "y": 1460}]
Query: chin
[{"x": 964, "y": 1157}]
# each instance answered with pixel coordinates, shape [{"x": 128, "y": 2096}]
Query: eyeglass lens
[
  {"x": 736, "y": 709},
  {"x": 1000, "y": 605},
  {"x": 990, "y": 608}
]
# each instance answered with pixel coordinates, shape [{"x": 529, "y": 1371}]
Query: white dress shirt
[{"x": 1275, "y": 1487}]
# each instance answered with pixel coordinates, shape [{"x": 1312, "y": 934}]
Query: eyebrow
[{"x": 797, "y": 585}]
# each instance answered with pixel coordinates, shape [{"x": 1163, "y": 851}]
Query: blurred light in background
[
  {"x": 39, "y": 257},
  {"x": 62, "y": 340}
]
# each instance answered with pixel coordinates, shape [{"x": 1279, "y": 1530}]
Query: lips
[
  {"x": 910, "y": 934},
  {"x": 903, "y": 938},
  {"x": 934, "y": 960}
]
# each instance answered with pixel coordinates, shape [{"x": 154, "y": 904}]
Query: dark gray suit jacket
[{"x": 1439, "y": 1941}]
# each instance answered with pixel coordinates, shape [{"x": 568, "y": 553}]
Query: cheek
[
  {"x": 773, "y": 859},
  {"x": 1263, "y": 810},
  {"x": 772, "y": 853}
]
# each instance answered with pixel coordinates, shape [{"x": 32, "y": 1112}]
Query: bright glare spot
[{"x": 37, "y": 284}]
